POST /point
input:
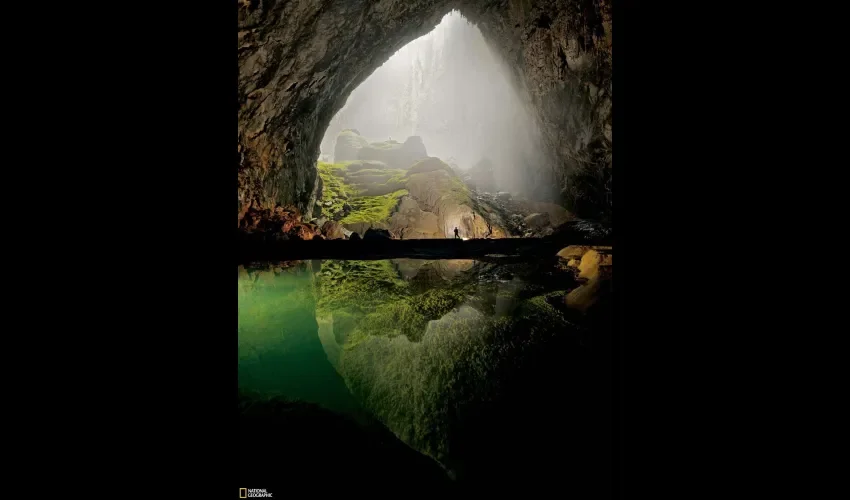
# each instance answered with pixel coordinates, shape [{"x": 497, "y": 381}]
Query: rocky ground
[
  {"x": 405, "y": 195},
  {"x": 391, "y": 186}
]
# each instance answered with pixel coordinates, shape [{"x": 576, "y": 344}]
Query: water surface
[{"x": 466, "y": 362}]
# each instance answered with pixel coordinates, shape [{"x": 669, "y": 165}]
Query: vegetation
[
  {"x": 335, "y": 188},
  {"x": 371, "y": 193},
  {"x": 372, "y": 300},
  {"x": 459, "y": 192},
  {"x": 373, "y": 208}
]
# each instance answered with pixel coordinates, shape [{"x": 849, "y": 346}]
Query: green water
[{"x": 439, "y": 352}]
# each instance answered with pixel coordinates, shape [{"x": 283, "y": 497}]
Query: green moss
[
  {"x": 436, "y": 302},
  {"x": 368, "y": 298},
  {"x": 459, "y": 192},
  {"x": 372, "y": 193},
  {"x": 335, "y": 186},
  {"x": 538, "y": 311},
  {"x": 373, "y": 208}
]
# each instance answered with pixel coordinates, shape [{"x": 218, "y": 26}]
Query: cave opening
[
  {"x": 301, "y": 66},
  {"x": 455, "y": 364},
  {"x": 448, "y": 98}
]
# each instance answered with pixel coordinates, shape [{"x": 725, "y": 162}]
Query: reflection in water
[
  {"x": 459, "y": 359},
  {"x": 280, "y": 353}
]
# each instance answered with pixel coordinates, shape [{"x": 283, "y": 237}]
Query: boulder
[
  {"x": 410, "y": 222},
  {"x": 429, "y": 164},
  {"x": 573, "y": 252},
  {"x": 302, "y": 231},
  {"x": 392, "y": 153},
  {"x": 363, "y": 226},
  {"x": 537, "y": 221},
  {"x": 557, "y": 214},
  {"x": 348, "y": 145},
  {"x": 377, "y": 234},
  {"x": 442, "y": 193},
  {"x": 333, "y": 230},
  {"x": 279, "y": 223},
  {"x": 503, "y": 196}
]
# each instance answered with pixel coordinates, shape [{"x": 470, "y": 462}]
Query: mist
[{"x": 450, "y": 89}]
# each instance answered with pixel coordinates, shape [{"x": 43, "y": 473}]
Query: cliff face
[{"x": 300, "y": 59}]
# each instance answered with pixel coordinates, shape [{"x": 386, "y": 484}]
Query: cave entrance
[
  {"x": 299, "y": 62},
  {"x": 448, "y": 88},
  {"x": 445, "y": 97}
]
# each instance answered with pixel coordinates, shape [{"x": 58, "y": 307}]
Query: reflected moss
[{"x": 369, "y": 298}]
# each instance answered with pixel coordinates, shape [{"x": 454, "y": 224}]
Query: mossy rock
[
  {"x": 430, "y": 164},
  {"x": 355, "y": 166},
  {"x": 348, "y": 145},
  {"x": 395, "y": 154}
]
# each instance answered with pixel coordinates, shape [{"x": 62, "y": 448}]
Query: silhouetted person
[{"x": 457, "y": 236}]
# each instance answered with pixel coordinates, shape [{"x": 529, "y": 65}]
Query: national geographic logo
[{"x": 253, "y": 493}]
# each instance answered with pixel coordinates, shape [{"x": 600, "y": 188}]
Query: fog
[{"x": 450, "y": 89}]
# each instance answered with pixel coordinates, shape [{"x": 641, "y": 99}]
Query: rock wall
[{"x": 299, "y": 59}]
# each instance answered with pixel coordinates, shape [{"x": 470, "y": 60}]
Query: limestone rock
[
  {"x": 395, "y": 155},
  {"x": 363, "y": 227},
  {"x": 348, "y": 145},
  {"x": 411, "y": 222},
  {"x": 429, "y": 164},
  {"x": 537, "y": 221},
  {"x": 280, "y": 223},
  {"x": 442, "y": 193},
  {"x": 595, "y": 272},
  {"x": 557, "y": 214},
  {"x": 333, "y": 230}
]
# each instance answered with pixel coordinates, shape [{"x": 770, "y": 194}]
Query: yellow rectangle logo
[{"x": 243, "y": 492}]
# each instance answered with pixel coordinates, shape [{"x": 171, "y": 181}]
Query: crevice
[
  {"x": 544, "y": 21},
  {"x": 562, "y": 58}
]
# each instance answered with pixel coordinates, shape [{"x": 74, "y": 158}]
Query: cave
[
  {"x": 300, "y": 61},
  {"x": 447, "y": 325}
]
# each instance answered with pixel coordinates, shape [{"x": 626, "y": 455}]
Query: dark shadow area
[
  {"x": 283, "y": 441},
  {"x": 550, "y": 425}
]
